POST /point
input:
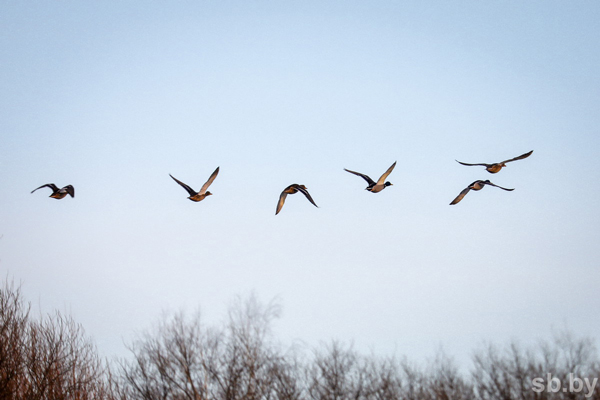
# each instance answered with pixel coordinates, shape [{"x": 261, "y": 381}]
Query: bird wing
[
  {"x": 470, "y": 165},
  {"x": 365, "y": 177},
  {"x": 282, "y": 197},
  {"x": 491, "y": 184},
  {"x": 303, "y": 190},
  {"x": 385, "y": 175},
  {"x": 183, "y": 185},
  {"x": 70, "y": 189},
  {"x": 461, "y": 195},
  {"x": 209, "y": 181},
  {"x": 522, "y": 156},
  {"x": 50, "y": 185}
]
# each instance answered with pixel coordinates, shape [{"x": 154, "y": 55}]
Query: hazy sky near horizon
[{"x": 111, "y": 97}]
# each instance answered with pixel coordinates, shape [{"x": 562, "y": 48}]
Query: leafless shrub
[
  {"x": 382, "y": 379},
  {"x": 338, "y": 373},
  {"x": 182, "y": 359},
  {"x": 60, "y": 362},
  {"x": 48, "y": 358},
  {"x": 508, "y": 373},
  {"x": 13, "y": 326},
  {"x": 185, "y": 360},
  {"x": 444, "y": 381},
  {"x": 250, "y": 357},
  {"x": 174, "y": 362}
]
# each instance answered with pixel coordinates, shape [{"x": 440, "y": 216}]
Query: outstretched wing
[
  {"x": 70, "y": 189},
  {"x": 470, "y": 165},
  {"x": 50, "y": 185},
  {"x": 461, "y": 195},
  {"x": 385, "y": 175},
  {"x": 209, "y": 181},
  {"x": 365, "y": 177},
  {"x": 303, "y": 190},
  {"x": 183, "y": 185},
  {"x": 522, "y": 156},
  {"x": 491, "y": 184},
  {"x": 281, "y": 201}
]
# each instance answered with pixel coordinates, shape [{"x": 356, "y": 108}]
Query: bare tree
[
  {"x": 49, "y": 358},
  {"x": 444, "y": 382},
  {"x": 383, "y": 379},
  {"x": 508, "y": 373},
  {"x": 182, "y": 359},
  {"x": 61, "y": 363},
  {"x": 13, "y": 326},
  {"x": 172, "y": 363},
  {"x": 337, "y": 373},
  {"x": 249, "y": 356}
]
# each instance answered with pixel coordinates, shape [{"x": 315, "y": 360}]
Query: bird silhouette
[
  {"x": 58, "y": 193},
  {"x": 293, "y": 188},
  {"x": 496, "y": 167},
  {"x": 375, "y": 187},
  {"x": 203, "y": 193},
  {"x": 477, "y": 185}
]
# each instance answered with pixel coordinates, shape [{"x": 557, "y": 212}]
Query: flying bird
[
  {"x": 375, "y": 187},
  {"x": 496, "y": 167},
  {"x": 293, "y": 188},
  {"x": 201, "y": 195},
  {"x": 58, "y": 193},
  {"x": 477, "y": 185}
]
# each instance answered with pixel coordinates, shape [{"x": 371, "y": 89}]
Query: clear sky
[{"x": 112, "y": 96}]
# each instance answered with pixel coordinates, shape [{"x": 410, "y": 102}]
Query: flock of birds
[
  {"x": 492, "y": 169},
  {"x": 373, "y": 187}
]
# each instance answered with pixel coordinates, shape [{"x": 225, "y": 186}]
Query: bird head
[{"x": 388, "y": 184}]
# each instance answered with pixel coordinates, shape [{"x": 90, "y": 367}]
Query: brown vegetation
[
  {"x": 45, "y": 358},
  {"x": 50, "y": 358}
]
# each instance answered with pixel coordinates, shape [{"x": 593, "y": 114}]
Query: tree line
[{"x": 50, "y": 357}]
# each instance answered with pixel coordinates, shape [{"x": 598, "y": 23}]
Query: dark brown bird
[
  {"x": 203, "y": 193},
  {"x": 58, "y": 193},
  {"x": 293, "y": 188},
  {"x": 496, "y": 167},
  {"x": 477, "y": 185}
]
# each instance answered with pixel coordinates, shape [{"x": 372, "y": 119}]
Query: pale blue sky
[{"x": 113, "y": 97}]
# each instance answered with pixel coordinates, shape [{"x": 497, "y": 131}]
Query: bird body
[
  {"x": 375, "y": 187},
  {"x": 58, "y": 193},
  {"x": 496, "y": 167},
  {"x": 477, "y": 185},
  {"x": 199, "y": 197},
  {"x": 292, "y": 189},
  {"x": 203, "y": 193}
]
